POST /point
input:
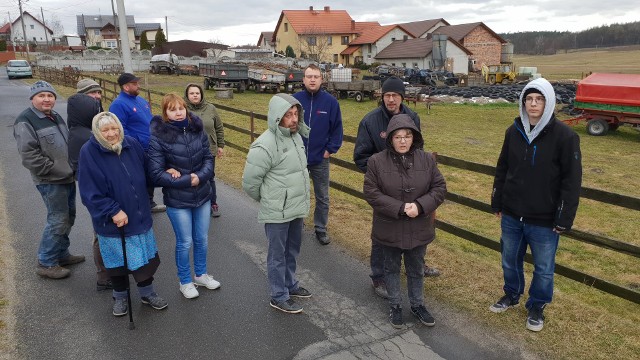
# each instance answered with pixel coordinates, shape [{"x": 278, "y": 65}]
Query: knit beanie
[
  {"x": 531, "y": 90},
  {"x": 393, "y": 84},
  {"x": 42, "y": 86},
  {"x": 86, "y": 86}
]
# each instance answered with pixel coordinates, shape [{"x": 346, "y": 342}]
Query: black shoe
[
  {"x": 300, "y": 292},
  {"x": 101, "y": 286},
  {"x": 323, "y": 238},
  {"x": 503, "y": 304},
  {"x": 288, "y": 306},
  {"x": 423, "y": 315},
  {"x": 430, "y": 271},
  {"x": 535, "y": 319},
  {"x": 395, "y": 317}
]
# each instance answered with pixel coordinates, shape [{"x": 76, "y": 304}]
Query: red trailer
[{"x": 607, "y": 101}]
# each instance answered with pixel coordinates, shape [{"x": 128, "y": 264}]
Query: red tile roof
[
  {"x": 325, "y": 21},
  {"x": 350, "y": 50},
  {"x": 5, "y": 29},
  {"x": 372, "y": 34}
]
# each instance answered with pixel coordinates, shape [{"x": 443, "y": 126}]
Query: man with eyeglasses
[
  {"x": 322, "y": 114},
  {"x": 535, "y": 194},
  {"x": 371, "y": 139}
]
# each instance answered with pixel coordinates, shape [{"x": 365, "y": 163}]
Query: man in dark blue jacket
[
  {"x": 535, "y": 193},
  {"x": 322, "y": 114}
]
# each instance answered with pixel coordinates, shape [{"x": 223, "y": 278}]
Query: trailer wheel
[
  {"x": 492, "y": 79},
  {"x": 206, "y": 84},
  {"x": 335, "y": 95},
  {"x": 358, "y": 96},
  {"x": 597, "y": 127},
  {"x": 242, "y": 87}
]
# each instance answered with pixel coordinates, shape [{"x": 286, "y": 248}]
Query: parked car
[{"x": 18, "y": 68}]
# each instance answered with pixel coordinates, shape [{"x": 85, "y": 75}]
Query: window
[
  {"x": 404, "y": 64},
  {"x": 286, "y": 27},
  {"x": 111, "y": 44},
  {"x": 96, "y": 31},
  {"x": 335, "y": 58},
  {"x": 368, "y": 57},
  {"x": 32, "y": 27},
  {"x": 329, "y": 40},
  {"x": 406, "y": 37},
  {"x": 345, "y": 40},
  {"x": 393, "y": 39},
  {"x": 311, "y": 40},
  {"x": 369, "y": 47},
  {"x": 415, "y": 65}
]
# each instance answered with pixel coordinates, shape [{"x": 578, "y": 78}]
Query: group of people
[{"x": 118, "y": 158}]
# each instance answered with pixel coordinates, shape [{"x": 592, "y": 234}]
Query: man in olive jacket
[{"x": 276, "y": 175}]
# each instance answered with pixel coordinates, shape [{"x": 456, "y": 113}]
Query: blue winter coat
[
  {"x": 322, "y": 114},
  {"x": 109, "y": 183},
  {"x": 185, "y": 150}
]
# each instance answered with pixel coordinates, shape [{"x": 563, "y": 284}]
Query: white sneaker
[
  {"x": 207, "y": 281},
  {"x": 189, "y": 291}
]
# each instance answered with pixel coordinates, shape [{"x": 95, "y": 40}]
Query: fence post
[
  {"x": 149, "y": 97},
  {"x": 252, "y": 126}
]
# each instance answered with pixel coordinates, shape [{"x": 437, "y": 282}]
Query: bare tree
[
  {"x": 315, "y": 43},
  {"x": 55, "y": 25},
  {"x": 216, "y": 49}
]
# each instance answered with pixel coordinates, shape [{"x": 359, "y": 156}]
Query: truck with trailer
[
  {"x": 607, "y": 101},
  {"x": 224, "y": 75}
]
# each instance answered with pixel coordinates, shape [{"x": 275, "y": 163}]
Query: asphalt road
[{"x": 68, "y": 319}]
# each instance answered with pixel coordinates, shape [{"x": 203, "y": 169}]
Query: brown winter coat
[{"x": 393, "y": 180}]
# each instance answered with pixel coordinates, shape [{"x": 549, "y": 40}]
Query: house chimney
[
  {"x": 353, "y": 24},
  {"x": 327, "y": 8},
  {"x": 310, "y": 8}
]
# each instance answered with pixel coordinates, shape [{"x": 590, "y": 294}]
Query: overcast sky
[{"x": 240, "y": 22}]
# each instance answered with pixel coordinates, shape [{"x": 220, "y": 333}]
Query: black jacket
[
  {"x": 185, "y": 150},
  {"x": 372, "y": 133},
  {"x": 81, "y": 109},
  {"x": 539, "y": 181}
]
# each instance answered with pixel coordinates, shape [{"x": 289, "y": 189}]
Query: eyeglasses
[
  {"x": 530, "y": 100},
  {"x": 391, "y": 95},
  {"x": 403, "y": 138}
]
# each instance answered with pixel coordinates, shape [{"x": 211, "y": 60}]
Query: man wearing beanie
[
  {"x": 535, "y": 194},
  {"x": 371, "y": 139},
  {"x": 42, "y": 135},
  {"x": 134, "y": 113},
  {"x": 81, "y": 108}
]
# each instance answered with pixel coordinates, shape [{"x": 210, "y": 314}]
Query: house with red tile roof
[
  {"x": 373, "y": 39},
  {"x": 34, "y": 28},
  {"x": 319, "y": 34}
]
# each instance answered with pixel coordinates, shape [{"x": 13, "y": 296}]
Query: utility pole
[
  {"x": 166, "y": 28},
  {"x": 115, "y": 20},
  {"x": 13, "y": 42},
  {"x": 124, "y": 37},
  {"x": 46, "y": 36},
  {"x": 24, "y": 29}
]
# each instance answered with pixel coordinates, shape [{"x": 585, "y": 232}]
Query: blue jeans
[
  {"x": 543, "y": 241},
  {"x": 376, "y": 261},
  {"x": 413, "y": 266},
  {"x": 60, "y": 200},
  {"x": 284, "y": 247},
  {"x": 191, "y": 226},
  {"x": 212, "y": 182},
  {"x": 319, "y": 174}
]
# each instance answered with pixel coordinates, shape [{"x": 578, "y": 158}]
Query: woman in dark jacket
[
  {"x": 404, "y": 187},
  {"x": 181, "y": 163},
  {"x": 112, "y": 184}
]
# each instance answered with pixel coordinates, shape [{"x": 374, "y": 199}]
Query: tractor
[{"x": 498, "y": 74}]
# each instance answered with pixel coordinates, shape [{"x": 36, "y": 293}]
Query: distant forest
[{"x": 550, "y": 42}]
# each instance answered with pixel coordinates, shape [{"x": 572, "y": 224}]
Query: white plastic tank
[{"x": 341, "y": 75}]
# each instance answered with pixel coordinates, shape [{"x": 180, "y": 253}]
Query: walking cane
[{"x": 126, "y": 270}]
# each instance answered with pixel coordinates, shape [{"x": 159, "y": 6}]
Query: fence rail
[{"x": 624, "y": 201}]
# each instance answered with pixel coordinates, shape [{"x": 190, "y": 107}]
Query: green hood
[{"x": 278, "y": 106}]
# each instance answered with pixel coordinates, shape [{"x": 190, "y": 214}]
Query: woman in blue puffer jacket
[{"x": 181, "y": 163}]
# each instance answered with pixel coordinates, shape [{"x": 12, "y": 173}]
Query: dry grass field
[{"x": 582, "y": 323}]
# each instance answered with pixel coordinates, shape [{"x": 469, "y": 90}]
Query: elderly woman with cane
[
  {"x": 404, "y": 187},
  {"x": 112, "y": 183}
]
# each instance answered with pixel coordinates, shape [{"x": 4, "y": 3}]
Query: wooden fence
[{"x": 111, "y": 90}]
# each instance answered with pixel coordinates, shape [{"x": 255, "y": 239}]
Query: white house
[
  {"x": 373, "y": 39},
  {"x": 419, "y": 53},
  {"x": 34, "y": 29}
]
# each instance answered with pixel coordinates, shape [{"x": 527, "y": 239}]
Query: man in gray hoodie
[{"x": 42, "y": 137}]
